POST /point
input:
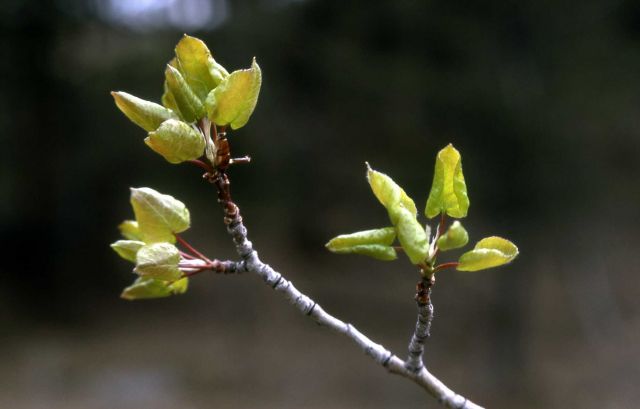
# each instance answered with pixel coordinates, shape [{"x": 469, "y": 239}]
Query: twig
[
  {"x": 310, "y": 308},
  {"x": 423, "y": 324}
]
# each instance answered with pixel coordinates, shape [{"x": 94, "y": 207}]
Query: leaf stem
[
  {"x": 452, "y": 264},
  {"x": 191, "y": 249}
]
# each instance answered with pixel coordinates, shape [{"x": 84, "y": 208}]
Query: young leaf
[
  {"x": 145, "y": 114},
  {"x": 145, "y": 288},
  {"x": 169, "y": 101},
  {"x": 159, "y": 261},
  {"x": 127, "y": 249},
  {"x": 373, "y": 243},
  {"x": 411, "y": 234},
  {"x": 198, "y": 67},
  {"x": 176, "y": 141},
  {"x": 448, "y": 190},
  {"x": 186, "y": 100},
  {"x": 159, "y": 216},
  {"x": 388, "y": 192},
  {"x": 488, "y": 252},
  {"x": 130, "y": 230},
  {"x": 233, "y": 101},
  {"x": 179, "y": 286},
  {"x": 454, "y": 238}
]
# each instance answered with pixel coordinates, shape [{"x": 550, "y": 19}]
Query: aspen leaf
[
  {"x": 487, "y": 253},
  {"x": 197, "y": 66},
  {"x": 145, "y": 288},
  {"x": 186, "y": 100},
  {"x": 176, "y": 141},
  {"x": 127, "y": 249},
  {"x": 129, "y": 230},
  {"x": 448, "y": 190},
  {"x": 411, "y": 235},
  {"x": 234, "y": 99},
  {"x": 455, "y": 237},
  {"x": 159, "y": 261},
  {"x": 179, "y": 286},
  {"x": 146, "y": 114},
  {"x": 388, "y": 192},
  {"x": 373, "y": 243},
  {"x": 169, "y": 101},
  {"x": 159, "y": 216}
]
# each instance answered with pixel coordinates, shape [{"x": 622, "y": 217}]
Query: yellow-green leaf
[
  {"x": 186, "y": 100},
  {"x": 159, "y": 261},
  {"x": 487, "y": 253},
  {"x": 146, "y": 114},
  {"x": 127, "y": 249},
  {"x": 374, "y": 243},
  {"x": 176, "y": 141},
  {"x": 449, "y": 190},
  {"x": 454, "y": 238},
  {"x": 198, "y": 67},
  {"x": 234, "y": 99},
  {"x": 146, "y": 288},
  {"x": 412, "y": 236},
  {"x": 130, "y": 230},
  {"x": 388, "y": 192},
  {"x": 159, "y": 216},
  {"x": 180, "y": 286}
]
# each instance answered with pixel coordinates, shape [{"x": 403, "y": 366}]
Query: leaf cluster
[
  {"x": 447, "y": 197},
  {"x": 196, "y": 88},
  {"x": 149, "y": 244}
]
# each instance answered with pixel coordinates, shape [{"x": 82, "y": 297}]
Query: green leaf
[
  {"x": 180, "y": 286},
  {"x": 198, "y": 67},
  {"x": 159, "y": 216},
  {"x": 127, "y": 249},
  {"x": 373, "y": 243},
  {"x": 388, "y": 192},
  {"x": 146, "y": 114},
  {"x": 169, "y": 101},
  {"x": 454, "y": 238},
  {"x": 233, "y": 101},
  {"x": 186, "y": 100},
  {"x": 159, "y": 261},
  {"x": 448, "y": 191},
  {"x": 411, "y": 235},
  {"x": 176, "y": 141},
  {"x": 488, "y": 252},
  {"x": 130, "y": 230},
  {"x": 145, "y": 288}
]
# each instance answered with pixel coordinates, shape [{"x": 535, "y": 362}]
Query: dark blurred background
[{"x": 541, "y": 98}]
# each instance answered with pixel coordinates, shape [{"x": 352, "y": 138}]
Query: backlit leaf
[
  {"x": 388, "y": 192},
  {"x": 234, "y": 99},
  {"x": 373, "y": 243},
  {"x": 188, "y": 103},
  {"x": 411, "y": 235},
  {"x": 448, "y": 190},
  {"x": 130, "y": 230},
  {"x": 146, "y": 288},
  {"x": 176, "y": 141},
  {"x": 197, "y": 66},
  {"x": 487, "y": 253},
  {"x": 146, "y": 114},
  {"x": 159, "y": 216},
  {"x": 127, "y": 249},
  {"x": 159, "y": 261},
  {"x": 454, "y": 238}
]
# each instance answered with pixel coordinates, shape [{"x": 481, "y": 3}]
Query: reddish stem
[
  {"x": 452, "y": 264},
  {"x": 191, "y": 249},
  {"x": 187, "y": 255}
]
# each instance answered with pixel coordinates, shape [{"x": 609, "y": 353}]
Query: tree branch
[
  {"x": 310, "y": 308},
  {"x": 423, "y": 324}
]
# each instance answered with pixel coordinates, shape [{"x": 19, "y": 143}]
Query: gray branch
[
  {"x": 310, "y": 308},
  {"x": 422, "y": 332}
]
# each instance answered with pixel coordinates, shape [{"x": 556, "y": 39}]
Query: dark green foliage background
[{"x": 541, "y": 98}]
